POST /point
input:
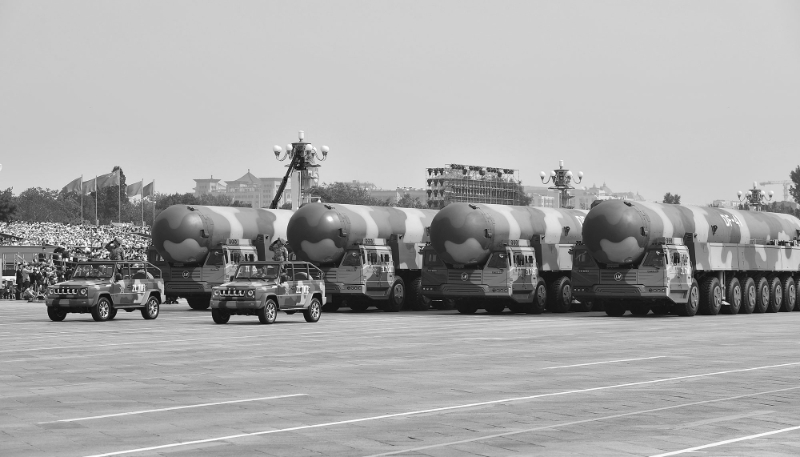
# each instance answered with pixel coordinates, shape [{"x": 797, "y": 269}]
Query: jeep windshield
[
  {"x": 258, "y": 272},
  {"x": 94, "y": 271}
]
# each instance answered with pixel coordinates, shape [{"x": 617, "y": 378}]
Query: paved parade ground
[{"x": 413, "y": 383}]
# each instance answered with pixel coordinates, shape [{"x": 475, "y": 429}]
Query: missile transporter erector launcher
[
  {"x": 492, "y": 256},
  {"x": 202, "y": 245},
  {"x": 686, "y": 259},
  {"x": 371, "y": 255}
]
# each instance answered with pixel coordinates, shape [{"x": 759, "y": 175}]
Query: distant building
[
  {"x": 258, "y": 192},
  {"x": 582, "y": 198},
  {"x": 395, "y": 195},
  {"x": 472, "y": 184}
]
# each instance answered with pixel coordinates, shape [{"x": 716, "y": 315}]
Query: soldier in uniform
[
  {"x": 279, "y": 251},
  {"x": 115, "y": 251}
]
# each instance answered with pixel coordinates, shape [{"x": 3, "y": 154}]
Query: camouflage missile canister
[
  {"x": 466, "y": 233},
  {"x": 618, "y": 231},
  {"x": 185, "y": 234},
  {"x": 321, "y": 232}
]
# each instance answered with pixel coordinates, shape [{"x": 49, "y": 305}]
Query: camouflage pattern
[
  {"x": 140, "y": 281},
  {"x": 178, "y": 231},
  {"x": 618, "y": 232},
  {"x": 466, "y": 233},
  {"x": 290, "y": 293},
  {"x": 320, "y": 233}
]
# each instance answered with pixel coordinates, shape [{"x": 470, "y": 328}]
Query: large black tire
[
  {"x": 397, "y": 297},
  {"x": 789, "y": 288},
  {"x": 495, "y": 308},
  {"x": 748, "y": 294},
  {"x": 446, "y": 304},
  {"x": 333, "y": 304},
  {"x": 691, "y": 306},
  {"x": 733, "y": 292},
  {"x": 220, "y": 316},
  {"x": 775, "y": 295},
  {"x": 797, "y": 290},
  {"x": 711, "y": 297},
  {"x": 268, "y": 313},
  {"x": 614, "y": 309},
  {"x": 151, "y": 308},
  {"x": 418, "y": 301},
  {"x": 762, "y": 294},
  {"x": 539, "y": 301},
  {"x": 560, "y": 295},
  {"x": 112, "y": 313},
  {"x": 199, "y": 303},
  {"x": 56, "y": 314},
  {"x": 467, "y": 306},
  {"x": 582, "y": 307},
  {"x": 314, "y": 311},
  {"x": 516, "y": 308},
  {"x": 358, "y": 305},
  {"x": 101, "y": 310},
  {"x": 640, "y": 309}
]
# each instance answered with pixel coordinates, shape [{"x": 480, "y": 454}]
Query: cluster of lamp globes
[
  {"x": 758, "y": 193},
  {"x": 308, "y": 149}
]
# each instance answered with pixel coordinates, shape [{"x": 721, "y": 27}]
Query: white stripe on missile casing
[
  {"x": 414, "y": 225},
  {"x": 173, "y": 408},
  {"x": 282, "y": 217},
  {"x": 554, "y": 228},
  {"x": 701, "y": 225},
  {"x": 365, "y": 213},
  {"x": 229, "y": 213},
  {"x": 514, "y": 230},
  {"x": 669, "y": 229}
]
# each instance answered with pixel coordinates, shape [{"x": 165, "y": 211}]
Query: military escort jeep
[
  {"x": 104, "y": 287},
  {"x": 264, "y": 288}
]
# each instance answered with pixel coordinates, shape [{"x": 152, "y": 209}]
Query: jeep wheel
[
  {"x": 112, "y": 313},
  {"x": 101, "y": 310},
  {"x": 150, "y": 310},
  {"x": 220, "y": 316},
  {"x": 268, "y": 313},
  {"x": 314, "y": 311},
  {"x": 56, "y": 314}
]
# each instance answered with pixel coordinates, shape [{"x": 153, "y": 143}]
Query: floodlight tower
[{"x": 302, "y": 169}]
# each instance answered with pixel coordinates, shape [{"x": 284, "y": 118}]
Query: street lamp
[
  {"x": 303, "y": 157},
  {"x": 562, "y": 179},
  {"x": 755, "y": 198}
]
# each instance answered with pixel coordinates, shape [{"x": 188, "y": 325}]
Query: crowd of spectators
[{"x": 79, "y": 240}]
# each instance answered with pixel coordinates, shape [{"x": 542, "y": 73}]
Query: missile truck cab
[
  {"x": 366, "y": 276},
  {"x": 195, "y": 281},
  {"x": 509, "y": 277},
  {"x": 662, "y": 281}
]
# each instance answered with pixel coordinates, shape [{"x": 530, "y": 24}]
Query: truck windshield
[
  {"x": 215, "y": 257},
  {"x": 582, "y": 258},
  {"x": 498, "y": 260},
  {"x": 654, "y": 258},
  {"x": 265, "y": 272},
  {"x": 105, "y": 270},
  {"x": 351, "y": 259}
]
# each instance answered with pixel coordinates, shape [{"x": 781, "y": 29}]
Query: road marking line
[
  {"x": 734, "y": 440},
  {"x": 440, "y": 409},
  {"x": 600, "y": 363},
  {"x": 583, "y": 421},
  {"x": 131, "y": 413}
]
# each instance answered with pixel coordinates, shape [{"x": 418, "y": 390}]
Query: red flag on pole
[
  {"x": 147, "y": 191},
  {"x": 73, "y": 186},
  {"x": 134, "y": 189},
  {"x": 108, "y": 180}
]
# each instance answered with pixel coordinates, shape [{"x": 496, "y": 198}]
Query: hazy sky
[{"x": 698, "y": 98}]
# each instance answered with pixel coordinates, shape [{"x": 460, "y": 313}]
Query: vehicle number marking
[{"x": 138, "y": 287}]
